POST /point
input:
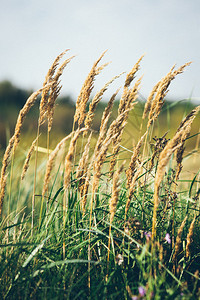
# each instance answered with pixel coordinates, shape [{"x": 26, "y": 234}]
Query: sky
[{"x": 34, "y": 32}]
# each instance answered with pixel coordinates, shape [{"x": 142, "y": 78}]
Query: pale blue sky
[{"x": 34, "y": 32}]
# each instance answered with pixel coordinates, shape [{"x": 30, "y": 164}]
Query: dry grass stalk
[
  {"x": 69, "y": 157},
  {"x": 86, "y": 92},
  {"x": 189, "y": 239},
  {"x": 158, "y": 147},
  {"x": 124, "y": 102},
  {"x": 97, "y": 98},
  {"x": 179, "y": 152},
  {"x": 6, "y": 160},
  {"x": 178, "y": 239},
  {"x": 45, "y": 92},
  {"x": 129, "y": 78},
  {"x": 28, "y": 157},
  {"x": 55, "y": 91},
  {"x": 132, "y": 188},
  {"x": 164, "y": 158},
  {"x": 127, "y": 103},
  {"x": 162, "y": 90},
  {"x": 83, "y": 165},
  {"x": 51, "y": 162},
  {"x": 86, "y": 188},
  {"x": 132, "y": 166},
  {"x": 115, "y": 192},
  {"x": 24, "y": 111},
  {"x": 108, "y": 110},
  {"x": 113, "y": 201},
  {"x": 3, "y": 189},
  {"x": 148, "y": 103}
]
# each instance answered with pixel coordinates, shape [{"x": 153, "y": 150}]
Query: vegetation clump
[{"x": 92, "y": 218}]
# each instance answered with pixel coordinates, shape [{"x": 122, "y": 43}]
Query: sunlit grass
[{"x": 102, "y": 227}]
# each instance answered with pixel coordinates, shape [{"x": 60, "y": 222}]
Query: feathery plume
[
  {"x": 164, "y": 158},
  {"x": 24, "y": 111},
  {"x": 148, "y": 103},
  {"x": 2, "y": 193},
  {"x": 45, "y": 92},
  {"x": 162, "y": 90},
  {"x": 189, "y": 239},
  {"x": 178, "y": 239},
  {"x": 86, "y": 92},
  {"x": 55, "y": 91},
  {"x": 97, "y": 98}
]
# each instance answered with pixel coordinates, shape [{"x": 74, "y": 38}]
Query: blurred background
[{"x": 34, "y": 32}]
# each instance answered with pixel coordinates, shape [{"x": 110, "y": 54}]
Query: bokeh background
[{"x": 34, "y": 32}]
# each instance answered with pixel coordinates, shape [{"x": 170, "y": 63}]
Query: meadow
[{"x": 110, "y": 210}]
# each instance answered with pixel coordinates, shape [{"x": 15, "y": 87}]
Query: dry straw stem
[
  {"x": 132, "y": 188},
  {"x": 83, "y": 165},
  {"x": 51, "y": 162},
  {"x": 69, "y": 157},
  {"x": 132, "y": 166},
  {"x": 86, "y": 188},
  {"x": 178, "y": 239},
  {"x": 97, "y": 98},
  {"x": 189, "y": 239},
  {"x": 28, "y": 157},
  {"x": 115, "y": 192},
  {"x": 164, "y": 158},
  {"x": 45, "y": 92},
  {"x": 162, "y": 90},
  {"x": 86, "y": 92}
]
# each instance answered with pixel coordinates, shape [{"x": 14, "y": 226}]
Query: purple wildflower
[
  {"x": 167, "y": 238},
  {"x": 147, "y": 234},
  {"x": 142, "y": 291}
]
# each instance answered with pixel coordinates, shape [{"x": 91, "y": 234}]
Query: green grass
[
  {"x": 65, "y": 253},
  {"x": 32, "y": 264}
]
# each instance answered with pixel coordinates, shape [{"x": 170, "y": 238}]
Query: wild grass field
[{"x": 107, "y": 212}]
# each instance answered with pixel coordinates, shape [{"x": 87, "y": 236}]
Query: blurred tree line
[{"x": 13, "y": 98}]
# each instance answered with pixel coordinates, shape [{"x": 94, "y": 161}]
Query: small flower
[
  {"x": 142, "y": 291},
  {"x": 147, "y": 235},
  {"x": 134, "y": 298},
  {"x": 119, "y": 259},
  {"x": 167, "y": 238}
]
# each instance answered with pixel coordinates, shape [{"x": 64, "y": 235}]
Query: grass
[{"x": 86, "y": 224}]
